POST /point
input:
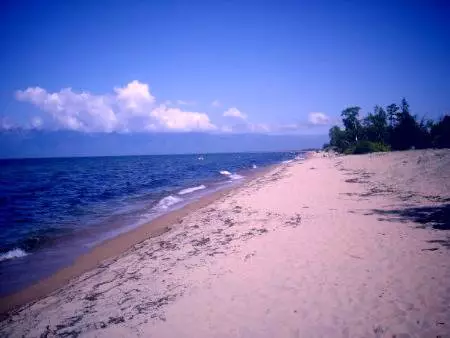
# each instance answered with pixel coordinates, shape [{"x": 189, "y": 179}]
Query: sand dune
[{"x": 354, "y": 246}]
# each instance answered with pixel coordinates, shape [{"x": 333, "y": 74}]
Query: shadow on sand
[{"x": 436, "y": 217}]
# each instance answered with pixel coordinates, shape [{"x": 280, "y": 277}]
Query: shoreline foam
[
  {"x": 336, "y": 246},
  {"x": 118, "y": 244}
]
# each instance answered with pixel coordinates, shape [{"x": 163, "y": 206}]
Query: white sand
[{"x": 311, "y": 249}]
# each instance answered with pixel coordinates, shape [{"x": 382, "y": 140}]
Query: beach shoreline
[
  {"x": 342, "y": 246},
  {"x": 117, "y": 245}
]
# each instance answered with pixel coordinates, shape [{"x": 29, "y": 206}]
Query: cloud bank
[
  {"x": 129, "y": 108},
  {"x": 133, "y": 108}
]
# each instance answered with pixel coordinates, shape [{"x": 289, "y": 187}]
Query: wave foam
[
  {"x": 225, "y": 172},
  {"x": 287, "y": 161},
  {"x": 254, "y": 166},
  {"x": 189, "y": 190},
  {"x": 230, "y": 175},
  {"x": 15, "y": 253},
  {"x": 236, "y": 176},
  {"x": 168, "y": 201}
]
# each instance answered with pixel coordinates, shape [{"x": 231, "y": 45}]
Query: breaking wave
[
  {"x": 230, "y": 175},
  {"x": 190, "y": 190},
  {"x": 15, "y": 253},
  {"x": 168, "y": 201}
]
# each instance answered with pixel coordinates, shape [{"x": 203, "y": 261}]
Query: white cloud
[
  {"x": 216, "y": 103},
  {"x": 234, "y": 112},
  {"x": 135, "y": 97},
  {"x": 130, "y": 108},
  {"x": 77, "y": 111},
  {"x": 133, "y": 108},
  {"x": 176, "y": 119},
  {"x": 318, "y": 119}
]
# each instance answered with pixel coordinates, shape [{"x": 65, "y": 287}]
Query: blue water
[{"x": 52, "y": 210}]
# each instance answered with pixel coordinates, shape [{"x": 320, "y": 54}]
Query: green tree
[
  {"x": 350, "y": 119},
  {"x": 440, "y": 133},
  {"x": 338, "y": 138},
  {"x": 406, "y": 133},
  {"x": 392, "y": 111},
  {"x": 405, "y": 107},
  {"x": 396, "y": 128},
  {"x": 376, "y": 126}
]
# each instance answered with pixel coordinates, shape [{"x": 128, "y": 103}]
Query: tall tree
[
  {"x": 350, "y": 119},
  {"x": 440, "y": 133},
  {"x": 405, "y": 106},
  {"x": 392, "y": 111},
  {"x": 406, "y": 133},
  {"x": 396, "y": 128},
  {"x": 337, "y": 138},
  {"x": 375, "y": 126}
]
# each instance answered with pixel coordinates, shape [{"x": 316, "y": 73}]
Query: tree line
[{"x": 390, "y": 128}]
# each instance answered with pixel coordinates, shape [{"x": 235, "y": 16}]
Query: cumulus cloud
[
  {"x": 133, "y": 107},
  {"x": 234, "y": 112},
  {"x": 129, "y": 108},
  {"x": 176, "y": 119},
  {"x": 318, "y": 119},
  {"x": 135, "y": 97},
  {"x": 77, "y": 111}
]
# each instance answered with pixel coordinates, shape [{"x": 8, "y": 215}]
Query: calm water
[{"x": 51, "y": 210}]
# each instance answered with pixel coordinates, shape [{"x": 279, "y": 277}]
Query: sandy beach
[{"x": 334, "y": 246}]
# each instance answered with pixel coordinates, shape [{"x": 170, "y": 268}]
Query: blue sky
[{"x": 218, "y": 66}]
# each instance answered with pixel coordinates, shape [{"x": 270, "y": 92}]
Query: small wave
[
  {"x": 287, "y": 161},
  {"x": 15, "y": 253},
  {"x": 236, "y": 176},
  {"x": 201, "y": 158},
  {"x": 230, "y": 175},
  {"x": 254, "y": 166},
  {"x": 168, "y": 201},
  {"x": 189, "y": 190}
]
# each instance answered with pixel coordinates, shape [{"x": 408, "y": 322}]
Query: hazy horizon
[{"x": 51, "y": 144}]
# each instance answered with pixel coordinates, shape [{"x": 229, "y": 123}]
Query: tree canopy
[{"x": 393, "y": 127}]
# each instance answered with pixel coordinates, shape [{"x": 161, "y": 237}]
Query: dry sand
[{"x": 354, "y": 246}]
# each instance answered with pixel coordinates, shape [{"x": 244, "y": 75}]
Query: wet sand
[
  {"x": 354, "y": 246},
  {"x": 108, "y": 249},
  {"x": 113, "y": 248}
]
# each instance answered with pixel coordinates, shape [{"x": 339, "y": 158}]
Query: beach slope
[{"x": 354, "y": 246}]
